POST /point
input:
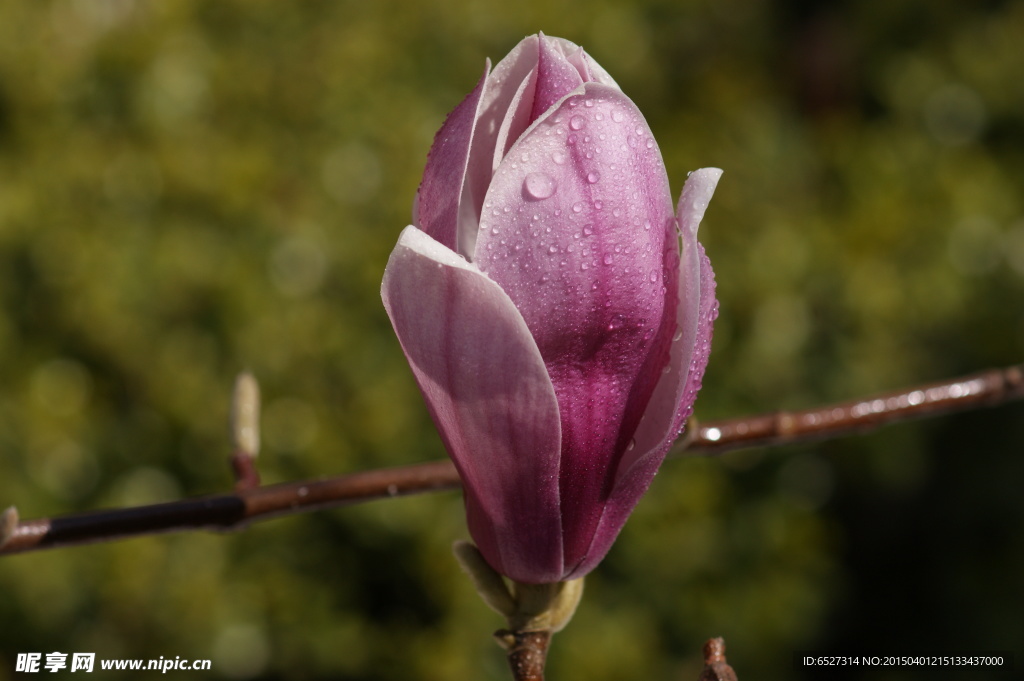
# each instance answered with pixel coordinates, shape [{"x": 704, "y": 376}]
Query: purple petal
[
  {"x": 488, "y": 391},
  {"x": 672, "y": 401},
  {"x": 673, "y": 398},
  {"x": 573, "y": 229},
  {"x": 440, "y": 196}
]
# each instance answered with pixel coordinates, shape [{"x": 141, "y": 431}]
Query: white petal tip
[{"x": 697, "y": 192}]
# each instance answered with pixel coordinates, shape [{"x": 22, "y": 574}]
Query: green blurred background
[{"x": 192, "y": 188}]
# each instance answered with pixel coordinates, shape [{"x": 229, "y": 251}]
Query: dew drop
[
  {"x": 558, "y": 157},
  {"x": 576, "y": 122},
  {"x": 650, "y": 142},
  {"x": 577, "y": 207},
  {"x": 631, "y": 446},
  {"x": 593, "y": 177},
  {"x": 588, "y": 229},
  {"x": 598, "y": 204},
  {"x": 608, "y": 259},
  {"x": 678, "y": 337},
  {"x": 584, "y": 266},
  {"x": 552, "y": 249},
  {"x": 617, "y": 116},
  {"x": 599, "y": 116},
  {"x": 539, "y": 186},
  {"x": 653, "y": 278}
]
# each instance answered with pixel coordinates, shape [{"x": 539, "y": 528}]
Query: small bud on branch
[
  {"x": 232, "y": 511},
  {"x": 8, "y": 523}
]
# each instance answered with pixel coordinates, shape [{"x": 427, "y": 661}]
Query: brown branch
[
  {"x": 984, "y": 389},
  {"x": 244, "y": 506}
]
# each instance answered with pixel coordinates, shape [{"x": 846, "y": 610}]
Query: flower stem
[
  {"x": 527, "y": 652},
  {"x": 716, "y": 668}
]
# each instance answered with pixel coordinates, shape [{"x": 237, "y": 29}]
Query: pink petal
[
  {"x": 556, "y": 76},
  {"x": 573, "y": 229},
  {"x": 589, "y": 70},
  {"x": 673, "y": 398},
  {"x": 500, "y": 91},
  {"x": 517, "y": 118},
  {"x": 487, "y": 390},
  {"x": 440, "y": 197}
]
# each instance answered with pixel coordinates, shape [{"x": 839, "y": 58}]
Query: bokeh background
[{"x": 189, "y": 188}]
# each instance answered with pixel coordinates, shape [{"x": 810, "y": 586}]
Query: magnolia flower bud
[{"x": 555, "y": 310}]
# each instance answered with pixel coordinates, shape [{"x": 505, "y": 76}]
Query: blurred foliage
[{"x": 192, "y": 188}]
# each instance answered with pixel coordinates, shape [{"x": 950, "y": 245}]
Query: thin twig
[{"x": 232, "y": 511}]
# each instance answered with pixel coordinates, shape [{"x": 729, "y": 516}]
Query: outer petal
[
  {"x": 488, "y": 392},
  {"x": 573, "y": 229},
  {"x": 673, "y": 398},
  {"x": 440, "y": 198}
]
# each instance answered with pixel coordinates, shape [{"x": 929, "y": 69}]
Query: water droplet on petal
[
  {"x": 577, "y": 207},
  {"x": 539, "y": 186},
  {"x": 617, "y": 116},
  {"x": 558, "y": 157},
  {"x": 576, "y": 122},
  {"x": 588, "y": 229},
  {"x": 593, "y": 177},
  {"x": 608, "y": 259},
  {"x": 678, "y": 337}
]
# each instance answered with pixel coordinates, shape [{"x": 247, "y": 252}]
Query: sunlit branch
[{"x": 252, "y": 504}]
